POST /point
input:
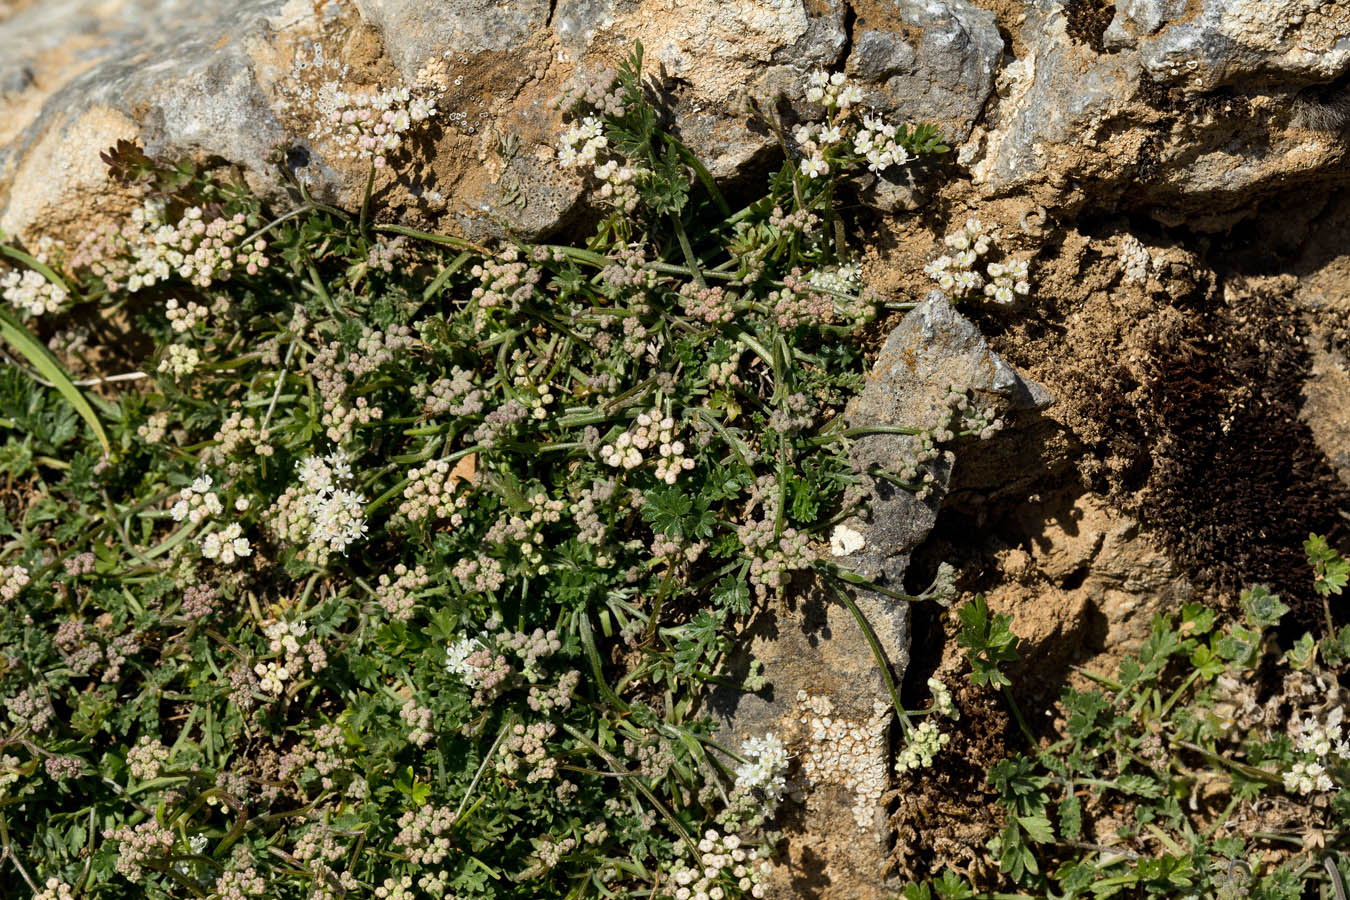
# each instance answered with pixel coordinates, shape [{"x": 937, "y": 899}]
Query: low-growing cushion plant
[{"x": 399, "y": 565}]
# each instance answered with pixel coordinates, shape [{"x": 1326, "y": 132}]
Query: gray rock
[
  {"x": 1139, "y": 18},
  {"x": 1075, "y": 128},
  {"x": 576, "y": 22},
  {"x": 206, "y": 78},
  {"x": 414, "y": 31},
  {"x": 177, "y": 76},
  {"x": 932, "y": 351},
  {"x": 944, "y": 75},
  {"x": 878, "y": 55},
  {"x": 712, "y": 55},
  {"x": 1289, "y": 42}
]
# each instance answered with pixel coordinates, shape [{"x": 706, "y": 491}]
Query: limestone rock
[
  {"x": 1286, "y": 41},
  {"x": 415, "y": 31},
  {"x": 930, "y": 61},
  {"x": 1199, "y": 111},
  {"x": 933, "y": 350}
]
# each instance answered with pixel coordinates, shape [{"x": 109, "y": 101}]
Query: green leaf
[
  {"x": 47, "y": 365},
  {"x": 1336, "y": 648},
  {"x": 1207, "y": 662},
  {"x": 732, "y": 594},
  {"x": 1239, "y": 645},
  {"x": 1083, "y": 708},
  {"x": 1038, "y": 828},
  {"x": 1140, "y": 786},
  {"x": 1303, "y": 654},
  {"x": 1071, "y": 817},
  {"x": 950, "y": 886},
  {"x": 1014, "y": 856},
  {"x": 1263, "y": 609},
  {"x": 1019, "y": 789},
  {"x": 1196, "y": 619},
  {"x": 1075, "y": 877},
  {"x": 988, "y": 642},
  {"x": 1330, "y": 569}
]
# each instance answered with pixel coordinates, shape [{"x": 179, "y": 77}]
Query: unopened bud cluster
[
  {"x": 431, "y": 494},
  {"x": 653, "y": 430},
  {"x": 924, "y": 743},
  {"x": 957, "y": 274},
  {"x": 12, "y": 580}
]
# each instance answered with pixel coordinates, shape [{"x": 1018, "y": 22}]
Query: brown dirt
[
  {"x": 1199, "y": 435},
  {"x": 1184, "y": 394},
  {"x": 943, "y": 817}
]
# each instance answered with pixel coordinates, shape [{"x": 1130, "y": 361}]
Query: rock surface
[
  {"x": 1196, "y": 111},
  {"x": 1185, "y": 111},
  {"x": 813, "y": 649},
  {"x": 931, "y": 61}
]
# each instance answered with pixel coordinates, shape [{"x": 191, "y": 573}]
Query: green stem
[
  {"x": 445, "y": 239},
  {"x": 365, "y": 201},
  {"x": 879, "y": 654},
  {"x": 683, "y": 237},
  {"x": 1021, "y": 722},
  {"x": 863, "y": 431}
]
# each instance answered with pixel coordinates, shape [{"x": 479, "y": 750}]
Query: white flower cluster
[
  {"x": 1306, "y": 777},
  {"x": 31, "y": 293},
  {"x": 1005, "y": 279},
  {"x": 457, "y": 659},
  {"x": 653, "y": 429},
  {"x": 832, "y": 90},
  {"x": 272, "y": 676},
  {"x": 1321, "y": 743},
  {"x": 721, "y": 864},
  {"x": 284, "y": 638},
  {"x": 852, "y": 754},
  {"x": 925, "y": 742},
  {"x": 336, "y": 514},
  {"x": 180, "y": 361},
  {"x": 12, "y": 580},
  {"x": 197, "y": 502},
  {"x": 193, "y": 248},
  {"x": 766, "y": 762},
  {"x": 844, "y": 279},
  {"x": 956, "y": 273},
  {"x": 875, "y": 142},
  {"x": 184, "y": 318},
  {"x": 582, "y": 145},
  {"x": 368, "y": 124},
  {"x": 226, "y": 546}
]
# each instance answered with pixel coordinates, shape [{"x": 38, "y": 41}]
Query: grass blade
[{"x": 47, "y": 365}]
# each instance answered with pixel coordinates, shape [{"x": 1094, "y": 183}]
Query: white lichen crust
[{"x": 847, "y": 753}]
